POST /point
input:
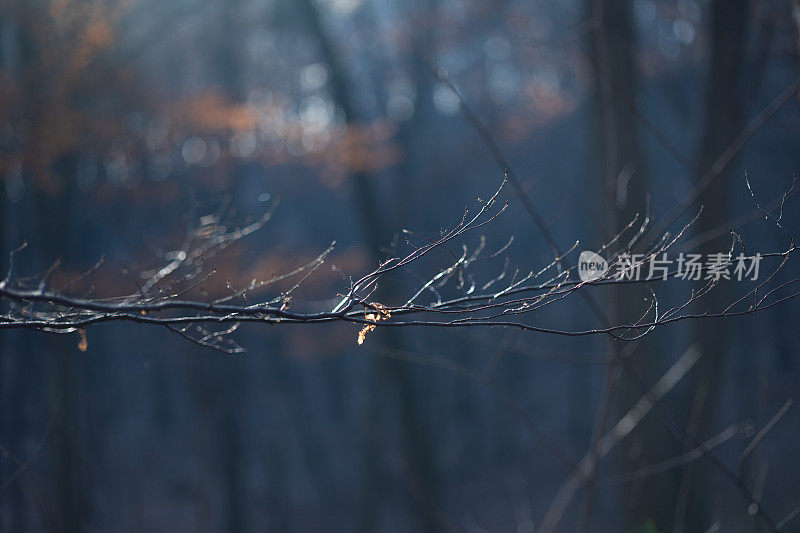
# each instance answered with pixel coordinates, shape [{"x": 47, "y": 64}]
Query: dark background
[{"x": 124, "y": 123}]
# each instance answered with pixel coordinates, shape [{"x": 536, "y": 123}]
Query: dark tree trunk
[
  {"x": 724, "y": 114},
  {"x": 388, "y": 380},
  {"x": 622, "y": 181}
]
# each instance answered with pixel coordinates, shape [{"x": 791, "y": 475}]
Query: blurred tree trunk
[
  {"x": 47, "y": 372},
  {"x": 388, "y": 380},
  {"x": 16, "y": 370},
  {"x": 229, "y": 38},
  {"x": 65, "y": 364},
  {"x": 51, "y": 192},
  {"x": 620, "y": 166},
  {"x": 220, "y": 389},
  {"x": 9, "y": 420},
  {"x": 618, "y": 156},
  {"x": 726, "y": 84}
]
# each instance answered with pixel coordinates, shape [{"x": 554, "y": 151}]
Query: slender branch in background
[
  {"x": 683, "y": 459},
  {"x": 724, "y": 159},
  {"x": 621, "y": 429},
  {"x": 788, "y": 518},
  {"x": 761, "y": 434},
  {"x": 498, "y": 156}
]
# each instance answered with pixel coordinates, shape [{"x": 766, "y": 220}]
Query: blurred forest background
[{"x": 124, "y": 123}]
